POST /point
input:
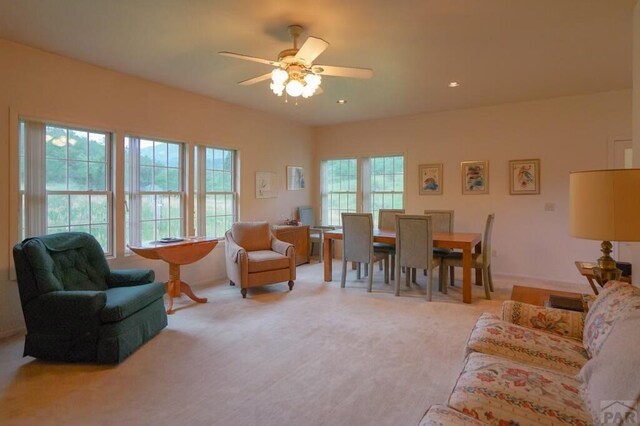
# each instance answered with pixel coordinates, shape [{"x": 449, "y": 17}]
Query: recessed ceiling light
[
  {"x": 341, "y": 101},
  {"x": 454, "y": 84}
]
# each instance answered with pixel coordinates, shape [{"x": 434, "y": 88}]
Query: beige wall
[
  {"x": 43, "y": 85},
  {"x": 636, "y": 109},
  {"x": 570, "y": 133}
]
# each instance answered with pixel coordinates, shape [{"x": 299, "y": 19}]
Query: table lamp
[{"x": 604, "y": 205}]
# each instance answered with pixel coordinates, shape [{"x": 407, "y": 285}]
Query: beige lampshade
[{"x": 604, "y": 205}]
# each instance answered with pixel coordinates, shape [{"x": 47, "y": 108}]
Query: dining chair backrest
[
  {"x": 357, "y": 234},
  {"x": 306, "y": 216},
  {"x": 442, "y": 220},
  {"x": 486, "y": 242},
  {"x": 414, "y": 241},
  {"x": 387, "y": 218}
]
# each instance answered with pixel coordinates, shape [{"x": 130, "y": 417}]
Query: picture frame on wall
[
  {"x": 430, "y": 179},
  {"x": 475, "y": 177},
  {"x": 266, "y": 185},
  {"x": 524, "y": 177},
  {"x": 295, "y": 178}
]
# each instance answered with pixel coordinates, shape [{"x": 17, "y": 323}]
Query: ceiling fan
[{"x": 294, "y": 72}]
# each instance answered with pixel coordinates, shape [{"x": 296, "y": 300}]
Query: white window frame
[
  {"x": 202, "y": 193},
  {"x": 133, "y": 194},
  {"x": 368, "y": 191},
  {"x": 33, "y": 214},
  {"x": 325, "y": 193}
]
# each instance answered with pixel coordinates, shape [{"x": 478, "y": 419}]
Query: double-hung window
[
  {"x": 383, "y": 184},
  {"x": 216, "y": 200},
  {"x": 65, "y": 181},
  {"x": 339, "y": 189},
  {"x": 379, "y": 185},
  {"x": 154, "y": 189}
]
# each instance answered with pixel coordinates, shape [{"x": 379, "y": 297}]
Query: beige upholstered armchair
[{"x": 255, "y": 257}]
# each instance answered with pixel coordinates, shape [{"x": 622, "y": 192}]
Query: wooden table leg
[
  {"x": 592, "y": 284},
  {"x": 328, "y": 260},
  {"x": 478, "y": 250},
  {"x": 175, "y": 288},
  {"x": 466, "y": 275}
]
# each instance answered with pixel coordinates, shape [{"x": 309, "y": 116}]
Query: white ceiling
[{"x": 499, "y": 50}]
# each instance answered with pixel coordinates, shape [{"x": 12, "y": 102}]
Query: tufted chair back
[{"x": 58, "y": 262}]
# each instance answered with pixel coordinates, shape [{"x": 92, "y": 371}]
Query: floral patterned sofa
[{"x": 544, "y": 366}]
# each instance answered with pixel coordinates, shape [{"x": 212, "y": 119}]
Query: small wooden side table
[
  {"x": 184, "y": 252},
  {"x": 298, "y": 235},
  {"x": 586, "y": 270},
  {"x": 538, "y": 296}
]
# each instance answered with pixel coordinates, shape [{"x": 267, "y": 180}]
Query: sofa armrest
[
  {"x": 557, "y": 321},
  {"x": 284, "y": 248},
  {"x": 64, "y": 312},
  {"x": 130, "y": 277}
]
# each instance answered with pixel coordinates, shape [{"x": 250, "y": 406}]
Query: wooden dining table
[{"x": 468, "y": 242}]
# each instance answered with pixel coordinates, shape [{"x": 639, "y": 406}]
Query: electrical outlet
[
  {"x": 494, "y": 253},
  {"x": 549, "y": 207}
]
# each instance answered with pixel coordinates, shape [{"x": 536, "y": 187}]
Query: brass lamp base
[{"x": 607, "y": 268}]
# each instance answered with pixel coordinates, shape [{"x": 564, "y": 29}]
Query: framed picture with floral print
[
  {"x": 475, "y": 177},
  {"x": 430, "y": 179},
  {"x": 524, "y": 177}
]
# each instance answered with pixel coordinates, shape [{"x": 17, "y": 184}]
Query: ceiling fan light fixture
[
  {"x": 278, "y": 75},
  {"x": 294, "y": 88}
]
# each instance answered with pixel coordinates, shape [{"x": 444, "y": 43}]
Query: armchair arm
[
  {"x": 130, "y": 277},
  {"x": 557, "y": 321},
  {"x": 64, "y": 312},
  {"x": 285, "y": 249},
  {"x": 233, "y": 250}
]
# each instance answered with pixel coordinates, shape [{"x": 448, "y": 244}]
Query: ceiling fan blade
[
  {"x": 311, "y": 49},
  {"x": 342, "y": 71},
  {"x": 318, "y": 91},
  {"x": 255, "y": 80},
  {"x": 249, "y": 58}
]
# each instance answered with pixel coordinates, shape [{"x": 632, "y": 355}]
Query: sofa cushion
[
  {"x": 557, "y": 321},
  {"x": 252, "y": 235},
  {"x": 124, "y": 301},
  {"x": 500, "y": 391},
  {"x": 266, "y": 260},
  {"x": 613, "y": 377},
  {"x": 439, "y": 415},
  {"x": 616, "y": 300},
  {"x": 493, "y": 336}
]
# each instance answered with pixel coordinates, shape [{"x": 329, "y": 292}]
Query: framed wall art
[
  {"x": 475, "y": 177},
  {"x": 430, "y": 179},
  {"x": 266, "y": 185},
  {"x": 295, "y": 178},
  {"x": 524, "y": 177}
]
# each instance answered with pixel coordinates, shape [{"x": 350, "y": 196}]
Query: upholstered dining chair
[
  {"x": 254, "y": 257},
  {"x": 316, "y": 232},
  {"x": 479, "y": 260},
  {"x": 387, "y": 222},
  {"x": 357, "y": 239},
  {"x": 414, "y": 248},
  {"x": 442, "y": 221}
]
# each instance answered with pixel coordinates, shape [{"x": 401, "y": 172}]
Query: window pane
[
  {"x": 57, "y": 210},
  {"x": 56, "y": 142},
  {"x": 160, "y": 179},
  {"x": 56, "y": 175},
  {"x": 80, "y": 211},
  {"x": 173, "y": 180},
  {"x": 175, "y": 204},
  {"x": 148, "y": 231},
  {"x": 148, "y": 204},
  {"x": 100, "y": 233},
  {"x": 162, "y": 207},
  {"x": 146, "y": 152},
  {"x": 160, "y": 154},
  {"x": 98, "y": 147},
  {"x": 146, "y": 178},
  {"x": 78, "y": 145},
  {"x": 97, "y": 176},
  {"x": 78, "y": 176},
  {"x": 99, "y": 209},
  {"x": 174, "y": 155}
]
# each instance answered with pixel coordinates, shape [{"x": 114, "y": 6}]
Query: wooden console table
[
  {"x": 296, "y": 235},
  {"x": 538, "y": 296},
  {"x": 175, "y": 254},
  {"x": 586, "y": 270}
]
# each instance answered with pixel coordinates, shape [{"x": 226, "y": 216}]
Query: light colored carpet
[{"x": 318, "y": 355}]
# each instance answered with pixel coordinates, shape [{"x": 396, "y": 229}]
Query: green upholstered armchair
[{"x": 76, "y": 309}]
